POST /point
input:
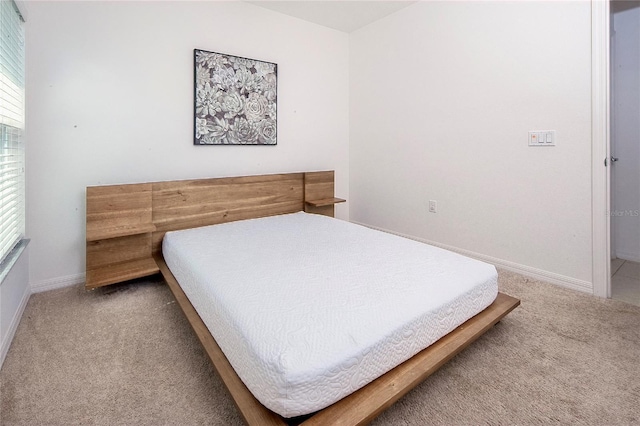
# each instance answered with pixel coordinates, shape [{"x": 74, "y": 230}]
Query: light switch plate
[{"x": 542, "y": 138}]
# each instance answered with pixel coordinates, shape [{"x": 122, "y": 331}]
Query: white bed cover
[{"x": 308, "y": 308}]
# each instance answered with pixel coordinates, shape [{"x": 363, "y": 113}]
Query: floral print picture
[{"x": 235, "y": 100}]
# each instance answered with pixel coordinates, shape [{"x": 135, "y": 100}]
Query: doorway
[{"x": 625, "y": 150}]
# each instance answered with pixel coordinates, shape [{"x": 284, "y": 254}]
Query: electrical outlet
[{"x": 433, "y": 206}]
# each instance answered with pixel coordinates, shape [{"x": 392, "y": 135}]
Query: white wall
[
  {"x": 110, "y": 100},
  {"x": 442, "y": 97},
  {"x": 625, "y": 131}
]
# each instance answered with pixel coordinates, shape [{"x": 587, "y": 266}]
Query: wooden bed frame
[{"x": 125, "y": 226}]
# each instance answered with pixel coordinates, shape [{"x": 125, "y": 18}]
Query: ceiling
[{"x": 344, "y": 16}]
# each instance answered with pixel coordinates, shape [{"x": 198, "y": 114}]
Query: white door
[{"x": 625, "y": 131}]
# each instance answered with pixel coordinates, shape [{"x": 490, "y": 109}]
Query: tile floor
[{"x": 625, "y": 281}]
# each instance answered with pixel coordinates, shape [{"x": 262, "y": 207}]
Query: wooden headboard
[{"x": 126, "y": 223}]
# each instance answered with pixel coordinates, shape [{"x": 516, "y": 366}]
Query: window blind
[{"x": 12, "y": 210}]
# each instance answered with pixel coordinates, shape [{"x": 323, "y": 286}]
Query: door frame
[{"x": 600, "y": 142}]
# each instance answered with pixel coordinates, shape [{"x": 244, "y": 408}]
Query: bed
[{"x": 330, "y": 353}]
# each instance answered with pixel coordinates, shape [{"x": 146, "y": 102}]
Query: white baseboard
[
  {"x": 59, "y": 282},
  {"x": 633, "y": 257},
  {"x": 539, "y": 274},
  {"x": 8, "y": 338}
]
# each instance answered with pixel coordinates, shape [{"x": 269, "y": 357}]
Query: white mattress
[{"x": 308, "y": 309}]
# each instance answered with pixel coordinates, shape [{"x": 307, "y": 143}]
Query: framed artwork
[{"x": 235, "y": 100}]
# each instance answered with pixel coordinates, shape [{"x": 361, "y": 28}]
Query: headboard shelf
[
  {"x": 126, "y": 223},
  {"x": 325, "y": 202},
  {"x": 95, "y": 234}
]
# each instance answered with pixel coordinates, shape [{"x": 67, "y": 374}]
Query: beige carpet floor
[{"x": 125, "y": 355}]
